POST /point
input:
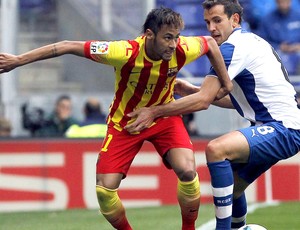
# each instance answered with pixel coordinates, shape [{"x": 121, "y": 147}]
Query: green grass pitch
[{"x": 279, "y": 217}]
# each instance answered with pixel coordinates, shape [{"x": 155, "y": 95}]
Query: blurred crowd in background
[{"x": 277, "y": 21}]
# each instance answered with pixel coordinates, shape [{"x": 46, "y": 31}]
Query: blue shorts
[{"x": 269, "y": 143}]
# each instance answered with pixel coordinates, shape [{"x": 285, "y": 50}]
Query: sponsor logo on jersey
[
  {"x": 172, "y": 72},
  {"x": 99, "y": 47}
]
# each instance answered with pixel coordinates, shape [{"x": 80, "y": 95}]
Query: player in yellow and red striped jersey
[
  {"x": 145, "y": 70},
  {"x": 141, "y": 81}
]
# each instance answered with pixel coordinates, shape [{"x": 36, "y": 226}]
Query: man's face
[
  {"x": 64, "y": 109},
  {"x": 218, "y": 23},
  {"x": 162, "y": 45},
  {"x": 284, "y": 6}
]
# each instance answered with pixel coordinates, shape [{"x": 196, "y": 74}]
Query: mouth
[
  {"x": 169, "y": 53},
  {"x": 215, "y": 36}
]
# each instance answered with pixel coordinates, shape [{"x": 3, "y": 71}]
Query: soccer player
[
  {"x": 261, "y": 93},
  {"x": 145, "y": 71}
]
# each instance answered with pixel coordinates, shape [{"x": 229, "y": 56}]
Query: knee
[
  {"x": 104, "y": 193},
  {"x": 214, "y": 151},
  {"x": 187, "y": 175},
  {"x": 105, "y": 197},
  {"x": 109, "y": 181}
]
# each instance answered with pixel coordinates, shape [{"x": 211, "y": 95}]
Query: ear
[
  {"x": 235, "y": 20},
  {"x": 149, "y": 34}
]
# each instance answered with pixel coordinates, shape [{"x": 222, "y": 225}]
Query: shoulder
[
  {"x": 71, "y": 121},
  {"x": 101, "y": 50},
  {"x": 192, "y": 44},
  {"x": 191, "y": 40},
  {"x": 242, "y": 39}
]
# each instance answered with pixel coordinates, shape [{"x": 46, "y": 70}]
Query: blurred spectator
[
  {"x": 94, "y": 125},
  {"x": 59, "y": 121},
  {"x": 190, "y": 124},
  {"x": 255, "y": 10},
  {"x": 33, "y": 118},
  {"x": 5, "y": 127},
  {"x": 281, "y": 27}
]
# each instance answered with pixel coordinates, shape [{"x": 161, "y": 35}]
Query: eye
[{"x": 219, "y": 20}]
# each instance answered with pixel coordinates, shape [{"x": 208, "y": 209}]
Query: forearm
[
  {"x": 200, "y": 100},
  {"x": 224, "y": 102},
  {"x": 51, "y": 51},
  {"x": 183, "y": 105}
]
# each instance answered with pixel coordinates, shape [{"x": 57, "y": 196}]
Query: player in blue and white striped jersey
[{"x": 261, "y": 93}]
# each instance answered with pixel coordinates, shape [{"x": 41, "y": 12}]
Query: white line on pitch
[{"x": 210, "y": 225}]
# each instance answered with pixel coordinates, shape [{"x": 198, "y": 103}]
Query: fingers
[
  {"x": 143, "y": 120},
  {"x": 138, "y": 125},
  {"x": 7, "y": 62},
  {"x": 135, "y": 127},
  {"x": 222, "y": 93}
]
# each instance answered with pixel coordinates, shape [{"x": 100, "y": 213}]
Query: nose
[
  {"x": 211, "y": 27},
  {"x": 173, "y": 43}
]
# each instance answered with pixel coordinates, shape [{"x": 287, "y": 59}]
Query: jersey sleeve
[
  {"x": 234, "y": 60},
  {"x": 114, "y": 53},
  {"x": 194, "y": 47}
]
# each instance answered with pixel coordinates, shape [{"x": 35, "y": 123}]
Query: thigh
[
  {"x": 232, "y": 146},
  {"x": 182, "y": 161},
  {"x": 118, "y": 151},
  {"x": 269, "y": 143},
  {"x": 109, "y": 180},
  {"x": 170, "y": 135}
]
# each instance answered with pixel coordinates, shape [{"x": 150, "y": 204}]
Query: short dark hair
[
  {"x": 230, "y": 7},
  {"x": 62, "y": 97},
  {"x": 92, "y": 108},
  {"x": 162, "y": 16}
]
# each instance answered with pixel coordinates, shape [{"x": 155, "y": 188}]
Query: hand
[
  {"x": 144, "y": 119},
  {"x": 8, "y": 62},
  {"x": 224, "y": 90},
  {"x": 222, "y": 93}
]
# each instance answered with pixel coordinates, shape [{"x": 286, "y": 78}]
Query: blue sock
[
  {"x": 222, "y": 185},
  {"x": 239, "y": 212}
]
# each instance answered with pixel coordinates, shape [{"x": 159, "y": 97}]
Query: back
[{"x": 262, "y": 91}]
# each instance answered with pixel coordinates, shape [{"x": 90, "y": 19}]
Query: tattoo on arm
[{"x": 54, "y": 51}]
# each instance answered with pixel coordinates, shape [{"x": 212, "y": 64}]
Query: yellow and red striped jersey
[{"x": 140, "y": 81}]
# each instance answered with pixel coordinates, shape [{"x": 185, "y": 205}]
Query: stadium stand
[
  {"x": 71, "y": 19},
  {"x": 192, "y": 13}
]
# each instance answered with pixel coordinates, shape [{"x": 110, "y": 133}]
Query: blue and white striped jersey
[{"x": 262, "y": 91}]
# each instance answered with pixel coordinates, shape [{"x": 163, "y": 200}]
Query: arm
[
  {"x": 199, "y": 100},
  {"x": 9, "y": 62},
  {"x": 216, "y": 59},
  {"x": 184, "y": 88},
  {"x": 224, "y": 102}
]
